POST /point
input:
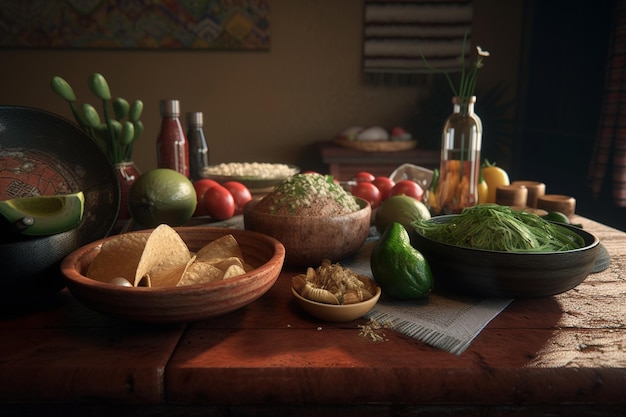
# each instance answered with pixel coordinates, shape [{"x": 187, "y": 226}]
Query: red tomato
[
  {"x": 219, "y": 203},
  {"x": 367, "y": 191},
  {"x": 241, "y": 194},
  {"x": 409, "y": 188},
  {"x": 384, "y": 185},
  {"x": 364, "y": 177},
  {"x": 201, "y": 186}
]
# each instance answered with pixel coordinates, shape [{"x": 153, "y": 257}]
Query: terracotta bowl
[
  {"x": 186, "y": 303},
  {"x": 336, "y": 313},
  {"x": 310, "y": 239},
  {"x": 507, "y": 274},
  {"x": 557, "y": 202}
]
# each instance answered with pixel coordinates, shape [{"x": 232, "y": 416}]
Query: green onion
[{"x": 499, "y": 228}]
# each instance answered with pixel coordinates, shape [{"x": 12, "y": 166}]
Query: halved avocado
[{"x": 44, "y": 215}]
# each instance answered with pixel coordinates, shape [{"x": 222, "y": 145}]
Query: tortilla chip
[
  {"x": 171, "y": 277},
  {"x": 200, "y": 273},
  {"x": 234, "y": 271},
  {"x": 224, "y": 263},
  {"x": 223, "y": 247},
  {"x": 165, "y": 251},
  {"x": 162, "y": 259},
  {"x": 118, "y": 257},
  {"x": 144, "y": 281}
]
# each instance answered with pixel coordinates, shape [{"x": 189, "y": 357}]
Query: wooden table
[{"x": 560, "y": 355}]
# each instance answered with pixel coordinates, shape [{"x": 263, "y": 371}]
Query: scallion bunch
[{"x": 500, "y": 228}]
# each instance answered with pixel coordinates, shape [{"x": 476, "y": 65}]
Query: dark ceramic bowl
[
  {"x": 310, "y": 239},
  {"x": 44, "y": 154},
  {"x": 185, "y": 303},
  {"x": 507, "y": 274}
]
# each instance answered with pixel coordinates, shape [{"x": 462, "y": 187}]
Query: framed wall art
[{"x": 138, "y": 24}]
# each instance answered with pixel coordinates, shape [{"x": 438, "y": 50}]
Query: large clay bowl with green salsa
[
  {"x": 507, "y": 274},
  {"x": 310, "y": 239}
]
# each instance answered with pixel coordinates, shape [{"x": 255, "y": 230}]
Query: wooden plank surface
[
  {"x": 65, "y": 352},
  {"x": 539, "y": 354},
  {"x": 563, "y": 349}
]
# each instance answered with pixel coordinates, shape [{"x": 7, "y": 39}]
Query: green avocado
[
  {"x": 44, "y": 215},
  {"x": 401, "y": 270}
]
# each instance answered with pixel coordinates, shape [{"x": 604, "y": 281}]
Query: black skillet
[{"x": 44, "y": 154}]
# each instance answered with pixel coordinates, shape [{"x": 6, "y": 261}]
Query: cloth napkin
[{"x": 445, "y": 321}]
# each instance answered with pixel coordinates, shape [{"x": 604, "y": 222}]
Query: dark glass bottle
[
  {"x": 198, "y": 148},
  {"x": 172, "y": 147}
]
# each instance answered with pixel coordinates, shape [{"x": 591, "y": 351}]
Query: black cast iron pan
[{"x": 44, "y": 154}]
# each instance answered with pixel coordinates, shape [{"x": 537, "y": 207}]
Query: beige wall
[{"x": 258, "y": 106}]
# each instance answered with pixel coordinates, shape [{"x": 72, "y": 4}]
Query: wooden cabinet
[{"x": 343, "y": 163}]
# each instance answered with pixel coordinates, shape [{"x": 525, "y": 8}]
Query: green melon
[{"x": 399, "y": 209}]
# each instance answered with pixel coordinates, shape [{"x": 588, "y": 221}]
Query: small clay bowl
[
  {"x": 557, "y": 202},
  {"x": 336, "y": 313},
  {"x": 535, "y": 189},
  {"x": 511, "y": 195}
]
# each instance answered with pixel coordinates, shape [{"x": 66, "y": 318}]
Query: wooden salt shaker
[
  {"x": 511, "y": 195},
  {"x": 557, "y": 202},
  {"x": 536, "y": 189}
]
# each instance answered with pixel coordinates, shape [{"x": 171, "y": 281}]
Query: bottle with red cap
[{"x": 172, "y": 146}]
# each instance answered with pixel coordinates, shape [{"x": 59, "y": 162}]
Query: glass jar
[{"x": 459, "y": 170}]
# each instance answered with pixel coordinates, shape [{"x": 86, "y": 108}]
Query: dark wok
[{"x": 42, "y": 153}]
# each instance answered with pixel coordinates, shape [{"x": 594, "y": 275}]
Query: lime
[
  {"x": 401, "y": 270},
  {"x": 44, "y": 215},
  {"x": 160, "y": 196},
  {"x": 400, "y": 209},
  {"x": 557, "y": 216}
]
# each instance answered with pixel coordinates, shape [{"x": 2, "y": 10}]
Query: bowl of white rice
[{"x": 254, "y": 175}]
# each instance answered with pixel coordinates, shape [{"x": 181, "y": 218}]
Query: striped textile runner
[
  {"x": 608, "y": 163},
  {"x": 396, "y": 30}
]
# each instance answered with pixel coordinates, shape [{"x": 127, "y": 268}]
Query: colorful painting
[{"x": 138, "y": 24}]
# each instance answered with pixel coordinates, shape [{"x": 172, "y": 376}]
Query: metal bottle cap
[
  {"x": 170, "y": 108},
  {"x": 195, "y": 118}
]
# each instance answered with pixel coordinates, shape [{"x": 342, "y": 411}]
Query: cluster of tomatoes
[
  {"x": 378, "y": 189},
  {"x": 220, "y": 201},
  {"x": 223, "y": 201}
]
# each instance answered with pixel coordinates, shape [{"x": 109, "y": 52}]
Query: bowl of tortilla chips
[{"x": 174, "y": 275}]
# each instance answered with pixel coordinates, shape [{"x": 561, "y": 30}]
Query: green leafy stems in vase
[
  {"x": 467, "y": 84},
  {"x": 459, "y": 170},
  {"x": 119, "y": 128}
]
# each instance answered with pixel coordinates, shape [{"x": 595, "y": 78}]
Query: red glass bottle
[{"x": 172, "y": 146}]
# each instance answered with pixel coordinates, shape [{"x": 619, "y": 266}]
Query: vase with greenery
[
  {"x": 115, "y": 132},
  {"x": 461, "y": 142}
]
